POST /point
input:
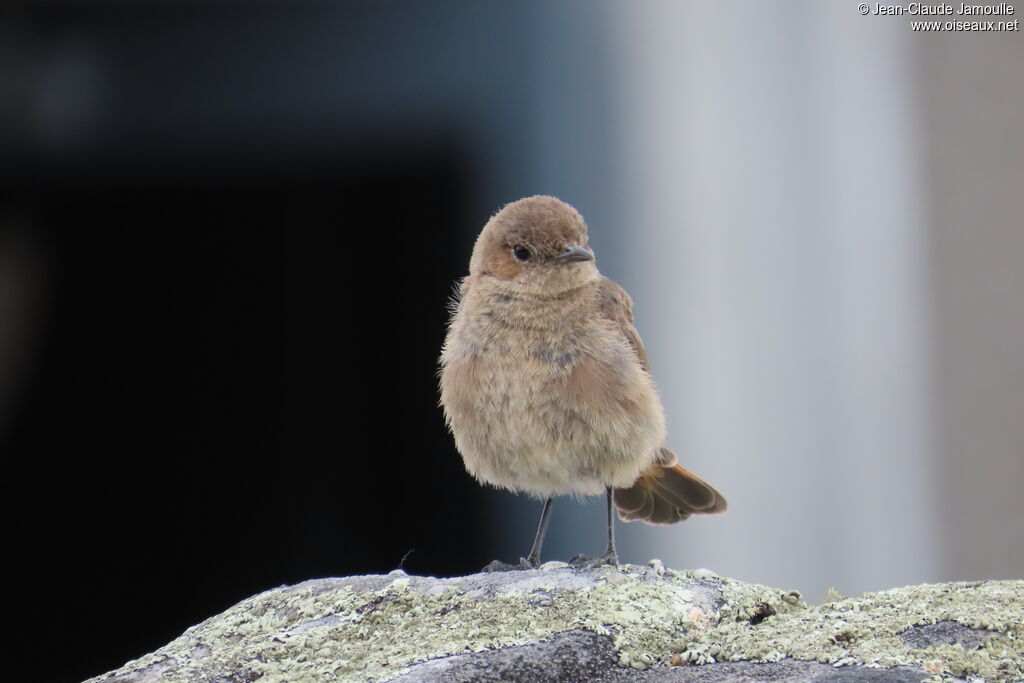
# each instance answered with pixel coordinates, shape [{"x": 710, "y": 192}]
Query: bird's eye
[{"x": 521, "y": 253}]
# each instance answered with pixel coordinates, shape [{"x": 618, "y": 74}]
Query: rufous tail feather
[{"x": 666, "y": 493}]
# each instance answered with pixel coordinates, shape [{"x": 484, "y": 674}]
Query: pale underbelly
[{"x": 519, "y": 430}]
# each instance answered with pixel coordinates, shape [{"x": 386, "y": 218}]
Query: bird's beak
[{"x": 574, "y": 253}]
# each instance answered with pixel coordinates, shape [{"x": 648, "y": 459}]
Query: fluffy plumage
[{"x": 544, "y": 380}]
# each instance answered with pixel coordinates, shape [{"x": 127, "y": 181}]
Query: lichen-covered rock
[
  {"x": 966, "y": 630},
  {"x": 627, "y": 624}
]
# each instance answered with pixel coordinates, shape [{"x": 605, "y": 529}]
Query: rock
[{"x": 562, "y": 624}]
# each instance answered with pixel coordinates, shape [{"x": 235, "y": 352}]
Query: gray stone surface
[
  {"x": 788, "y": 670},
  {"x": 583, "y": 656},
  {"x": 576, "y": 655},
  {"x": 946, "y": 633}
]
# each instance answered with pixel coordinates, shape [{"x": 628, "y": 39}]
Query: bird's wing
[
  {"x": 666, "y": 492},
  {"x": 618, "y": 307}
]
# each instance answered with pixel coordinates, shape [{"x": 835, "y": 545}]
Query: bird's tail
[{"x": 666, "y": 493}]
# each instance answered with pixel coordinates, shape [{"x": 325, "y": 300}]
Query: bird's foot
[
  {"x": 499, "y": 566},
  {"x": 583, "y": 561}
]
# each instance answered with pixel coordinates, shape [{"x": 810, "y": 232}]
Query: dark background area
[
  {"x": 235, "y": 389},
  {"x": 227, "y": 381}
]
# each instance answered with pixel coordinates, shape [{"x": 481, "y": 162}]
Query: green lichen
[
  {"x": 297, "y": 634},
  {"x": 373, "y": 628},
  {"x": 865, "y": 630}
]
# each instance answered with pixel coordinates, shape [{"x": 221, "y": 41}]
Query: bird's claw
[
  {"x": 499, "y": 566},
  {"x": 583, "y": 561},
  {"x": 529, "y": 563}
]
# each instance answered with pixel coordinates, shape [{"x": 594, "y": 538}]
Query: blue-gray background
[{"x": 228, "y": 231}]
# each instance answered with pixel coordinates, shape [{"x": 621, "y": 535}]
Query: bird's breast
[{"x": 549, "y": 410}]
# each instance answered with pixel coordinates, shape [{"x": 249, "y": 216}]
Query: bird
[{"x": 545, "y": 384}]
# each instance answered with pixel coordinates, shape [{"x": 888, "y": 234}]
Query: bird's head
[{"x": 536, "y": 245}]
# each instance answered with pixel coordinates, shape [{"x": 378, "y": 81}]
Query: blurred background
[{"x": 228, "y": 232}]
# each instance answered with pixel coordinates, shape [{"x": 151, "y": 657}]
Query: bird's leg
[
  {"x": 532, "y": 561},
  {"x": 610, "y": 558}
]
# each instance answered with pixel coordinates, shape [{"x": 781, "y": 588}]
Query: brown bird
[{"x": 545, "y": 383}]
